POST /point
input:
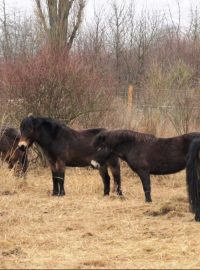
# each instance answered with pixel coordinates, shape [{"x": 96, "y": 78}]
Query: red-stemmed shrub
[{"x": 54, "y": 84}]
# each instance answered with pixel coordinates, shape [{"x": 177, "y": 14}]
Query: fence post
[
  {"x": 130, "y": 97},
  {"x": 130, "y": 103}
]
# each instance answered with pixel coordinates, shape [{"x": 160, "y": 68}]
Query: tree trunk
[{"x": 57, "y": 25}]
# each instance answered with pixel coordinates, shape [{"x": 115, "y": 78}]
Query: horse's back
[
  {"x": 166, "y": 155},
  {"x": 8, "y": 138},
  {"x": 82, "y": 141},
  {"x": 9, "y": 133},
  {"x": 175, "y": 151},
  {"x": 91, "y": 131}
]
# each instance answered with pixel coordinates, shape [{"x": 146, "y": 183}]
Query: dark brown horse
[
  {"x": 64, "y": 146},
  {"x": 144, "y": 153},
  {"x": 193, "y": 177},
  {"x": 9, "y": 151}
]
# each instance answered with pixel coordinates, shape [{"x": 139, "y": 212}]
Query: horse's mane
[
  {"x": 120, "y": 136},
  {"x": 63, "y": 126},
  {"x": 55, "y": 125},
  {"x": 52, "y": 121},
  {"x": 93, "y": 131}
]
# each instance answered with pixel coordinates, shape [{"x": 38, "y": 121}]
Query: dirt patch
[
  {"x": 88, "y": 234},
  {"x": 160, "y": 212},
  {"x": 13, "y": 252},
  {"x": 8, "y": 193},
  {"x": 170, "y": 209},
  {"x": 94, "y": 264}
]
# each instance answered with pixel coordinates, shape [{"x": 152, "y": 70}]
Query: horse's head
[
  {"x": 28, "y": 133},
  {"x": 103, "y": 152},
  {"x": 100, "y": 141}
]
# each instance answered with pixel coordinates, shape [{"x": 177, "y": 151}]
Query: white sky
[{"x": 159, "y": 5}]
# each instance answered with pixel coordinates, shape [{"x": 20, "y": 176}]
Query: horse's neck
[
  {"x": 44, "y": 137},
  {"x": 72, "y": 132}
]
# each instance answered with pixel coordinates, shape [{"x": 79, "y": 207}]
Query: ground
[{"x": 86, "y": 230}]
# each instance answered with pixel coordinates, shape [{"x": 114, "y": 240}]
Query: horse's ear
[{"x": 99, "y": 140}]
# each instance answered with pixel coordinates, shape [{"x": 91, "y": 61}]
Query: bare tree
[
  {"x": 56, "y": 23},
  {"x": 18, "y": 33},
  {"x": 118, "y": 30},
  {"x": 5, "y": 40}
]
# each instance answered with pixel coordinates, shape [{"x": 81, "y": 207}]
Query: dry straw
[{"x": 85, "y": 230}]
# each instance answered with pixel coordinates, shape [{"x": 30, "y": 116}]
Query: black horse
[
  {"x": 193, "y": 177},
  {"x": 64, "y": 146},
  {"x": 144, "y": 153},
  {"x": 9, "y": 151}
]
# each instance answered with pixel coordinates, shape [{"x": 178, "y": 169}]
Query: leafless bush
[{"x": 54, "y": 85}]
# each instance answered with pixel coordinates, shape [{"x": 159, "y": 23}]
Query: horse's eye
[{"x": 29, "y": 130}]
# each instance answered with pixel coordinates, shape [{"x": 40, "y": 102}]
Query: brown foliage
[{"x": 54, "y": 84}]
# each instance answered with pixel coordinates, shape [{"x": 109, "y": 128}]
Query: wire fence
[{"x": 163, "y": 99}]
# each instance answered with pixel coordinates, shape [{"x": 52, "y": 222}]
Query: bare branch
[
  {"x": 78, "y": 22},
  {"x": 41, "y": 15},
  {"x": 52, "y": 9}
]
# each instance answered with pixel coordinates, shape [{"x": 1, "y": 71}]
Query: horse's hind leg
[
  {"x": 106, "y": 179},
  {"x": 146, "y": 183},
  {"x": 115, "y": 170},
  {"x": 55, "y": 184},
  {"x": 197, "y": 209},
  {"x": 197, "y": 214}
]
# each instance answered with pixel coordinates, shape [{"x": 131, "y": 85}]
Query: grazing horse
[
  {"x": 64, "y": 146},
  {"x": 144, "y": 153},
  {"x": 9, "y": 151},
  {"x": 193, "y": 177}
]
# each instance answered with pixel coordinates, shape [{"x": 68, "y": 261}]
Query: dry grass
[{"x": 85, "y": 230}]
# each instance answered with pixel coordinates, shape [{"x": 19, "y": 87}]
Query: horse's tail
[{"x": 193, "y": 175}]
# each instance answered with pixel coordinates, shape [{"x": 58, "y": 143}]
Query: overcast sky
[{"x": 159, "y": 5}]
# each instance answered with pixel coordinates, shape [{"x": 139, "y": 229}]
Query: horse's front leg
[
  {"x": 106, "y": 179},
  {"x": 55, "y": 184},
  {"x": 58, "y": 177},
  {"x": 146, "y": 183},
  {"x": 115, "y": 170},
  {"x": 58, "y": 182}
]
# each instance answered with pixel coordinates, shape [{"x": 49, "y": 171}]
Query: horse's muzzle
[{"x": 23, "y": 145}]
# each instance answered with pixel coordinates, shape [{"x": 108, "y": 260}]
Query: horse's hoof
[
  {"x": 148, "y": 201},
  {"x": 54, "y": 194},
  {"x": 122, "y": 197},
  {"x": 119, "y": 193},
  {"x": 197, "y": 218},
  {"x": 62, "y": 193}
]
